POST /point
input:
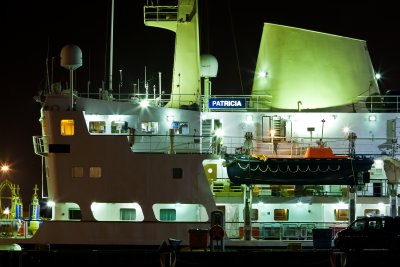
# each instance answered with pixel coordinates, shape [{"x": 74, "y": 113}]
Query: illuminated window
[
  {"x": 150, "y": 127},
  {"x": 67, "y": 127},
  {"x": 371, "y": 212},
  {"x": 97, "y": 126},
  {"x": 119, "y": 127},
  {"x": 180, "y": 127},
  {"x": 167, "y": 214},
  {"x": 127, "y": 214},
  {"x": 77, "y": 172},
  {"x": 95, "y": 172},
  {"x": 281, "y": 214},
  {"x": 341, "y": 214}
]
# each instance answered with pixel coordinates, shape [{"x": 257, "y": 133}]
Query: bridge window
[
  {"x": 180, "y": 127},
  {"x": 119, "y": 127},
  {"x": 149, "y": 127},
  {"x": 97, "y": 126}
]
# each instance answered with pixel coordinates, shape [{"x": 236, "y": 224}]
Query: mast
[{"x": 111, "y": 48}]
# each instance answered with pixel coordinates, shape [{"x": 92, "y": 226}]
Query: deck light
[
  {"x": 219, "y": 133},
  {"x": 144, "y": 103},
  {"x": 249, "y": 118},
  {"x": 263, "y": 74},
  {"x": 5, "y": 168}
]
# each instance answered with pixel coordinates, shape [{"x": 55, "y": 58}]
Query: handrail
[{"x": 254, "y": 103}]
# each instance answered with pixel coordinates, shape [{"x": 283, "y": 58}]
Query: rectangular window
[
  {"x": 371, "y": 212},
  {"x": 77, "y": 172},
  {"x": 150, "y": 127},
  {"x": 127, "y": 214},
  {"x": 341, "y": 214},
  {"x": 281, "y": 214},
  {"x": 177, "y": 173},
  {"x": 67, "y": 127},
  {"x": 97, "y": 127},
  {"x": 59, "y": 148},
  {"x": 119, "y": 127},
  {"x": 180, "y": 127},
  {"x": 95, "y": 172},
  {"x": 167, "y": 214},
  {"x": 75, "y": 214}
]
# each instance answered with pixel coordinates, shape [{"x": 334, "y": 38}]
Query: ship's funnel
[{"x": 316, "y": 69}]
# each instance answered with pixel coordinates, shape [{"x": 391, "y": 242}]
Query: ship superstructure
[{"x": 143, "y": 168}]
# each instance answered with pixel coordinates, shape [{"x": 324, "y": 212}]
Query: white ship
[{"x": 138, "y": 169}]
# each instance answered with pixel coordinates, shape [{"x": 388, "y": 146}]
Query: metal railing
[
  {"x": 254, "y": 103},
  {"x": 282, "y": 231},
  {"x": 160, "y": 13},
  {"x": 40, "y": 145}
]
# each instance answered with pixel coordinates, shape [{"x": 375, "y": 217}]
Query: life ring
[{"x": 217, "y": 232}]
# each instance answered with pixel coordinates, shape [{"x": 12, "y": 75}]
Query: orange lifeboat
[{"x": 321, "y": 152}]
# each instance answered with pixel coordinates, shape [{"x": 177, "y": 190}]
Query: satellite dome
[
  {"x": 71, "y": 57},
  {"x": 208, "y": 66}
]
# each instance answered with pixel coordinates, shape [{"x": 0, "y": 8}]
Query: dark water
[{"x": 71, "y": 257}]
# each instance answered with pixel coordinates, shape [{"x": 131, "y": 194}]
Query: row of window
[
  {"x": 127, "y": 214},
  {"x": 94, "y": 172},
  {"x": 340, "y": 214},
  {"x": 148, "y": 127}
]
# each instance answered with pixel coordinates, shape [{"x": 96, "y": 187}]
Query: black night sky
[{"x": 33, "y": 31}]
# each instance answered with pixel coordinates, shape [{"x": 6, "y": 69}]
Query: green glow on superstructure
[
  {"x": 315, "y": 69},
  {"x": 183, "y": 20}
]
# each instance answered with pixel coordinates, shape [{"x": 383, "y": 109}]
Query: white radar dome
[
  {"x": 71, "y": 57},
  {"x": 208, "y": 66}
]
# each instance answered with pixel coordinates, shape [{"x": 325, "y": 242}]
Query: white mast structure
[{"x": 111, "y": 49}]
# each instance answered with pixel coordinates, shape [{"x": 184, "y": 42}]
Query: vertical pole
[
  {"x": 111, "y": 48},
  {"x": 393, "y": 199},
  {"x": 71, "y": 87},
  {"x": 247, "y": 213},
  {"x": 206, "y": 93},
  {"x": 171, "y": 141},
  {"x": 352, "y": 204},
  {"x": 159, "y": 86}
]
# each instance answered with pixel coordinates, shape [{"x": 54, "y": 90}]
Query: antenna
[
  {"x": 120, "y": 84},
  {"x": 146, "y": 85},
  {"x": 111, "y": 48},
  {"x": 71, "y": 59}
]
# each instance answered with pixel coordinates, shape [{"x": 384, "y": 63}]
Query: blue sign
[{"x": 226, "y": 103}]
